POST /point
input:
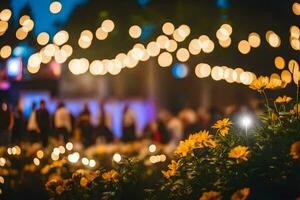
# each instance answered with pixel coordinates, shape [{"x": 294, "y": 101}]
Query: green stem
[
  {"x": 297, "y": 97},
  {"x": 297, "y": 106},
  {"x": 275, "y": 106},
  {"x": 267, "y": 101}
]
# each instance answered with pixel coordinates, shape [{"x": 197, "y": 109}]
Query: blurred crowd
[{"x": 62, "y": 125}]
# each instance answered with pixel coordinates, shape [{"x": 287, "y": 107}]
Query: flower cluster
[
  {"x": 240, "y": 153},
  {"x": 295, "y": 150},
  {"x": 172, "y": 169},
  {"x": 283, "y": 99},
  {"x": 222, "y": 126},
  {"x": 264, "y": 82},
  {"x": 241, "y": 194},
  {"x": 111, "y": 176},
  {"x": 211, "y": 195},
  {"x": 195, "y": 141}
]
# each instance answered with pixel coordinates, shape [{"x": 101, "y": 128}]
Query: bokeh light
[
  {"x": 168, "y": 28},
  {"x": 296, "y": 8},
  {"x": 244, "y": 47},
  {"x": 202, "y": 70},
  {"x": 43, "y": 38},
  {"x": 179, "y": 70},
  {"x": 165, "y": 59},
  {"x": 279, "y": 62},
  {"x": 101, "y": 34},
  {"x": 108, "y": 25},
  {"x": 55, "y": 7},
  {"x": 5, "y": 51},
  {"x": 254, "y": 40},
  {"x": 182, "y": 54},
  {"x": 135, "y": 31}
]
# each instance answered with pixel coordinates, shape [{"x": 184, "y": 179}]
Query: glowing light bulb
[{"x": 117, "y": 157}]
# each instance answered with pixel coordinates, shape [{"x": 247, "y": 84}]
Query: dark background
[{"x": 203, "y": 16}]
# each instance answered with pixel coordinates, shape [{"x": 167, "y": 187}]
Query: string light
[
  {"x": 165, "y": 59},
  {"x": 69, "y": 146},
  {"x": 2, "y": 161},
  {"x": 273, "y": 39},
  {"x": 55, "y": 7},
  {"x": 40, "y": 154},
  {"x": 254, "y": 40},
  {"x": 5, "y": 51},
  {"x": 152, "y": 148},
  {"x": 5, "y": 15},
  {"x": 168, "y": 28},
  {"x": 202, "y": 70},
  {"x": 244, "y": 47},
  {"x": 101, "y": 34},
  {"x": 74, "y": 157},
  {"x": 279, "y": 62},
  {"x": 117, "y": 157},
  {"x": 85, "y": 161},
  {"x": 108, "y": 25},
  {"x": 296, "y": 8},
  {"x": 182, "y": 54},
  {"x": 43, "y": 38},
  {"x": 135, "y": 31},
  {"x": 36, "y": 161},
  {"x": 92, "y": 163}
]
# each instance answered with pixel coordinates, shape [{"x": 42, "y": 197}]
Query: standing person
[
  {"x": 189, "y": 119},
  {"x": 43, "y": 121},
  {"x": 32, "y": 126},
  {"x": 163, "y": 117},
  {"x": 6, "y": 124},
  {"x": 152, "y": 131},
  {"x": 204, "y": 117},
  {"x": 19, "y": 125},
  {"x": 128, "y": 125},
  {"x": 103, "y": 130},
  {"x": 62, "y": 121},
  {"x": 176, "y": 129},
  {"x": 84, "y": 124}
]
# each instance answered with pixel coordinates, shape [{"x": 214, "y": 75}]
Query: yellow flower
[
  {"x": 173, "y": 166},
  {"x": 167, "y": 174},
  {"x": 239, "y": 153},
  {"x": 52, "y": 184},
  {"x": 172, "y": 169},
  {"x": 112, "y": 175},
  {"x": 241, "y": 194},
  {"x": 55, "y": 164},
  {"x": 276, "y": 84},
  {"x": 274, "y": 117},
  {"x": 79, "y": 173},
  {"x": 202, "y": 139},
  {"x": 260, "y": 83},
  {"x": 58, "y": 163},
  {"x": 295, "y": 150},
  {"x": 283, "y": 99},
  {"x": 198, "y": 140},
  {"x": 92, "y": 175},
  {"x": 30, "y": 168},
  {"x": 296, "y": 110},
  {"x": 54, "y": 177},
  {"x": 83, "y": 182},
  {"x": 223, "y": 126},
  {"x": 59, "y": 189},
  {"x": 184, "y": 148},
  {"x": 211, "y": 195},
  {"x": 45, "y": 169}
]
